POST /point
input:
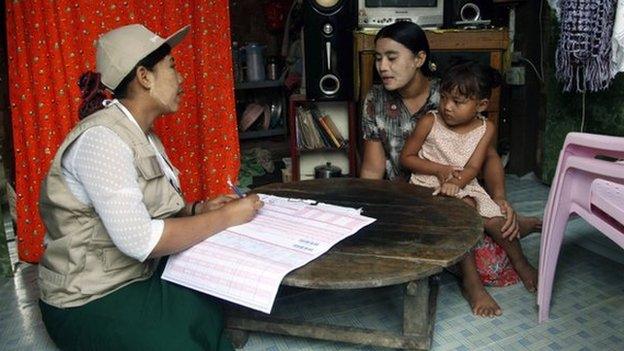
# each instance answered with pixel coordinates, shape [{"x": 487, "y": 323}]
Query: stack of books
[{"x": 316, "y": 130}]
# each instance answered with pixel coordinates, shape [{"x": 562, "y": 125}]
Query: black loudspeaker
[
  {"x": 467, "y": 13},
  {"x": 328, "y": 47}
]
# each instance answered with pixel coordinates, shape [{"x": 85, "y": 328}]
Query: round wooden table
[{"x": 416, "y": 236}]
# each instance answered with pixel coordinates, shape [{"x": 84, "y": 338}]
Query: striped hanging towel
[{"x": 583, "y": 55}]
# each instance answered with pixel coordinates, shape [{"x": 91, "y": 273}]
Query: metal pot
[{"x": 327, "y": 171}]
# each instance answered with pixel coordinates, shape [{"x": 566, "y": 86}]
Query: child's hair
[{"x": 470, "y": 78}]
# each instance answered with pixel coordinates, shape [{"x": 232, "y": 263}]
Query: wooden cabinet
[
  {"x": 487, "y": 46},
  {"x": 343, "y": 115}
]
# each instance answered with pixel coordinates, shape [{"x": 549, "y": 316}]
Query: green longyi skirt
[{"x": 148, "y": 315}]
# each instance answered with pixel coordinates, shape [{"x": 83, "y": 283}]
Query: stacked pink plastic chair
[{"x": 589, "y": 182}]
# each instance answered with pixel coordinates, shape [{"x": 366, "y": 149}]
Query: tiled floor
[{"x": 587, "y": 311}]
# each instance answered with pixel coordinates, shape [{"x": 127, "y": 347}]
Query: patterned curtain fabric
[{"x": 50, "y": 43}]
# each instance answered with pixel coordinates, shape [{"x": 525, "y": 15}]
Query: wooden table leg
[
  {"x": 418, "y": 319},
  {"x": 238, "y": 337},
  {"x": 419, "y": 306}
]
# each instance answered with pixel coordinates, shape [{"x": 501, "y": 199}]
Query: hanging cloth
[
  {"x": 554, "y": 4},
  {"x": 617, "y": 41},
  {"x": 583, "y": 57}
]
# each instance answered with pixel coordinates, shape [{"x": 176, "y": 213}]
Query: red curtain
[{"x": 50, "y": 43}]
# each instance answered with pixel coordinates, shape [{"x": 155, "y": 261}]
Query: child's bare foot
[
  {"x": 528, "y": 275},
  {"x": 529, "y": 225},
  {"x": 481, "y": 303}
]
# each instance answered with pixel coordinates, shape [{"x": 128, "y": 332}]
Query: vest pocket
[
  {"x": 113, "y": 259},
  {"x": 48, "y": 276},
  {"x": 149, "y": 167},
  {"x": 107, "y": 270}
]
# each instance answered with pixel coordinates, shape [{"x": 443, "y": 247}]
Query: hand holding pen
[
  {"x": 234, "y": 188},
  {"x": 252, "y": 199}
]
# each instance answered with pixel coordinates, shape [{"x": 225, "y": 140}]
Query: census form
[{"x": 245, "y": 264}]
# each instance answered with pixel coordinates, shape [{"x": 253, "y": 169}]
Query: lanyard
[{"x": 165, "y": 166}]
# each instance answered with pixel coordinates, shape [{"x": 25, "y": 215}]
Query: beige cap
[{"x": 119, "y": 50}]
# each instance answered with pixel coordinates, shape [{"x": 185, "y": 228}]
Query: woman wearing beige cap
[{"x": 112, "y": 205}]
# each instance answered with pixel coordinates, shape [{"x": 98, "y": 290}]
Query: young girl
[{"x": 446, "y": 151}]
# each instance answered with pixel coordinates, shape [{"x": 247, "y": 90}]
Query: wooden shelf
[
  {"x": 260, "y": 84},
  {"x": 449, "y": 39},
  {"x": 263, "y": 92},
  {"x": 261, "y": 133},
  {"x": 348, "y": 151},
  {"x": 323, "y": 149}
]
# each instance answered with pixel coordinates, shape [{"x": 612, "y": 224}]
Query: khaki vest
[{"x": 81, "y": 263}]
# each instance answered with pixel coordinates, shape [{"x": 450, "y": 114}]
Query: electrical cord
[
  {"x": 583, "y": 112},
  {"x": 539, "y": 76},
  {"x": 541, "y": 42},
  {"x": 540, "y": 73}
]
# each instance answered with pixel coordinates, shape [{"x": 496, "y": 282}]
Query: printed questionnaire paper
[{"x": 245, "y": 264}]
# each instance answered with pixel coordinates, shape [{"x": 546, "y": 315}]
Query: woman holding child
[{"x": 390, "y": 114}]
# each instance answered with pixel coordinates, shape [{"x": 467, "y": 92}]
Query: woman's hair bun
[
  {"x": 89, "y": 82},
  {"x": 92, "y": 92}
]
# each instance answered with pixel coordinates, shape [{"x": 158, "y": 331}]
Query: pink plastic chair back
[{"x": 589, "y": 183}]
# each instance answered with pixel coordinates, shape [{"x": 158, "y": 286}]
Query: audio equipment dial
[
  {"x": 328, "y": 48},
  {"x": 328, "y": 28}
]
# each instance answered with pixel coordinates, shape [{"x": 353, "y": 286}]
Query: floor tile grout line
[{"x": 558, "y": 319}]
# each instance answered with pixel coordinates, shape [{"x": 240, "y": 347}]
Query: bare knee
[{"x": 493, "y": 226}]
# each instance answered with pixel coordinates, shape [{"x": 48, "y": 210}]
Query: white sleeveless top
[{"x": 447, "y": 147}]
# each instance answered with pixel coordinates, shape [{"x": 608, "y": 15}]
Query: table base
[{"x": 418, "y": 319}]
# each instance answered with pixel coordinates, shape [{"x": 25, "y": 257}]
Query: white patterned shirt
[{"x": 99, "y": 170}]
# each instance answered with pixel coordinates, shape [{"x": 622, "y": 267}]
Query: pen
[{"x": 235, "y": 188}]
